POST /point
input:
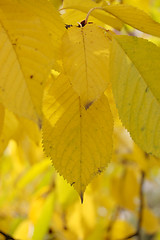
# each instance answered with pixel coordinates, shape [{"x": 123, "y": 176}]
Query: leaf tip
[{"x": 81, "y": 196}]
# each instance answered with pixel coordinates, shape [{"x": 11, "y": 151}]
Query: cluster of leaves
[{"x": 61, "y": 79}]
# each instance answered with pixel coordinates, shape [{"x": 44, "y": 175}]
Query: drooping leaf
[
  {"x": 146, "y": 57},
  {"x": 79, "y": 141},
  {"x": 138, "y": 107},
  {"x": 85, "y": 6},
  {"x": 86, "y": 60},
  {"x": 135, "y": 18},
  {"x": 27, "y": 55}
]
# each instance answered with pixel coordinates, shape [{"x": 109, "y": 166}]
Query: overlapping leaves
[{"x": 77, "y": 127}]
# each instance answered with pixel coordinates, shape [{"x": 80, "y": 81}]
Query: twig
[
  {"x": 113, "y": 219},
  {"x": 138, "y": 232},
  {"x": 7, "y": 237}
]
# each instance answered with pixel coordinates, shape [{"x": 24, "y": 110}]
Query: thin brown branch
[
  {"x": 7, "y": 237},
  {"x": 141, "y": 206},
  {"x": 140, "y": 215}
]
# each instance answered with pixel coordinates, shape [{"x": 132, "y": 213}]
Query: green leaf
[
  {"x": 35, "y": 171},
  {"x": 42, "y": 225},
  {"x": 134, "y": 64}
]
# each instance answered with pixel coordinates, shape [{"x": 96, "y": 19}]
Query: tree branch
[
  {"x": 7, "y": 237},
  {"x": 141, "y": 206}
]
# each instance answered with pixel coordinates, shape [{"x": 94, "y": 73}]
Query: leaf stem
[{"x": 90, "y": 11}]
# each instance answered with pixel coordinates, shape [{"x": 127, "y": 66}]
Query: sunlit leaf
[
  {"x": 86, "y": 5},
  {"x": 51, "y": 20},
  {"x": 79, "y": 141},
  {"x": 137, "y": 105},
  {"x": 24, "y": 230},
  {"x": 86, "y": 60},
  {"x": 27, "y": 55},
  {"x": 135, "y": 18}
]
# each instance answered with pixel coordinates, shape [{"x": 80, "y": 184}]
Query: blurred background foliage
[{"x": 36, "y": 203}]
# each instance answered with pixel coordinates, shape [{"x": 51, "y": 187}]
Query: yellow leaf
[
  {"x": 56, "y": 3},
  {"x": 121, "y": 229},
  {"x": 142, "y": 51},
  {"x": 2, "y": 113},
  {"x": 52, "y": 23},
  {"x": 26, "y": 57},
  {"x": 24, "y": 230},
  {"x": 149, "y": 221},
  {"x": 138, "y": 108},
  {"x": 74, "y": 17},
  {"x": 124, "y": 194},
  {"x": 85, "y": 6},
  {"x": 135, "y": 18},
  {"x": 10, "y": 126},
  {"x": 142, "y": 4},
  {"x": 66, "y": 195},
  {"x": 86, "y": 58},
  {"x": 30, "y": 129},
  {"x": 79, "y": 141},
  {"x": 81, "y": 219}
]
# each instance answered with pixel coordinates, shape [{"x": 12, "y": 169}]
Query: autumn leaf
[
  {"x": 9, "y": 128},
  {"x": 134, "y": 87},
  {"x": 52, "y": 23},
  {"x": 78, "y": 140},
  {"x": 86, "y": 61},
  {"x": 2, "y": 111},
  {"x": 135, "y": 18},
  {"x": 86, "y": 6},
  {"x": 27, "y": 55}
]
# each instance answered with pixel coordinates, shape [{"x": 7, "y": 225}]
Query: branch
[
  {"x": 7, "y": 237},
  {"x": 141, "y": 206}
]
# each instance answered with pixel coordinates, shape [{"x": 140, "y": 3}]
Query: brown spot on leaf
[
  {"x": 31, "y": 76},
  {"x": 88, "y": 105},
  {"x": 99, "y": 170}
]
